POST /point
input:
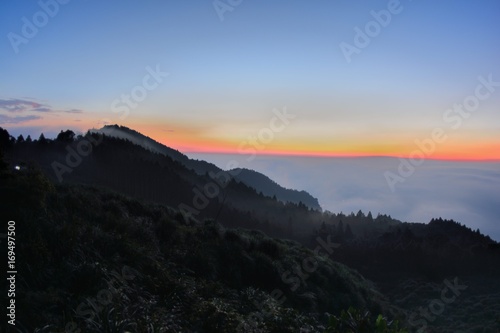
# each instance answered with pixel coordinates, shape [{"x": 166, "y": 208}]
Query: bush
[{"x": 354, "y": 321}]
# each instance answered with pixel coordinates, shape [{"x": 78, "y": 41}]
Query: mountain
[
  {"x": 152, "y": 173},
  {"x": 93, "y": 260},
  {"x": 254, "y": 179},
  {"x": 99, "y": 203},
  {"x": 268, "y": 187}
]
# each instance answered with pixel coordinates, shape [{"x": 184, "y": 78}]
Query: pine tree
[
  {"x": 42, "y": 139},
  {"x": 340, "y": 234},
  {"x": 348, "y": 232},
  {"x": 369, "y": 217}
]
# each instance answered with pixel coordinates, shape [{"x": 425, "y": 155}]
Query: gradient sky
[{"x": 226, "y": 76}]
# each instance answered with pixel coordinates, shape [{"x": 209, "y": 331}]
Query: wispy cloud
[
  {"x": 22, "y": 105},
  {"x": 16, "y": 105},
  {"x": 42, "y": 109},
  {"x": 73, "y": 111},
  {"x": 20, "y": 110},
  {"x": 4, "y": 119}
]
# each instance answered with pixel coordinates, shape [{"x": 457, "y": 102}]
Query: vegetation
[
  {"x": 122, "y": 254},
  {"x": 101, "y": 262},
  {"x": 355, "y": 321}
]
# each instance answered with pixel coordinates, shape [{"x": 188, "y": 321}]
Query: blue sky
[
  {"x": 226, "y": 79},
  {"x": 263, "y": 55}
]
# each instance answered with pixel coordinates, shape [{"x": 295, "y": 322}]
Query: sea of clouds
[{"x": 467, "y": 192}]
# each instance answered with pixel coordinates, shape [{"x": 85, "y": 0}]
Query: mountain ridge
[
  {"x": 252, "y": 178},
  {"x": 395, "y": 255}
]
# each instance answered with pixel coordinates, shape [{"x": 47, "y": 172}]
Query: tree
[
  {"x": 3, "y": 165},
  {"x": 66, "y": 136},
  {"x": 340, "y": 234},
  {"x": 42, "y": 139},
  {"x": 5, "y": 139},
  {"x": 369, "y": 217},
  {"x": 348, "y": 232},
  {"x": 28, "y": 138},
  {"x": 20, "y": 138}
]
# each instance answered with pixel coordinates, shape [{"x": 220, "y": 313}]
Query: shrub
[{"x": 355, "y": 321}]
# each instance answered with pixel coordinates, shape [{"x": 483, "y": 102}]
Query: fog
[{"x": 467, "y": 192}]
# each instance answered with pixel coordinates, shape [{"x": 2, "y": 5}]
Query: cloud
[
  {"x": 22, "y": 105},
  {"x": 4, "y": 119},
  {"x": 15, "y": 105},
  {"x": 42, "y": 109},
  {"x": 73, "y": 111}
]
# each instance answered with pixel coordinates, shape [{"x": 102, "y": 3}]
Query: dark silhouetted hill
[
  {"x": 256, "y": 180},
  {"x": 268, "y": 187}
]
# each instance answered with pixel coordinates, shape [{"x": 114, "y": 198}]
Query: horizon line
[{"x": 341, "y": 155}]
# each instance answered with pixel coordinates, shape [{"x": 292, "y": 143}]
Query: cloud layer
[{"x": 464, "y": 191}]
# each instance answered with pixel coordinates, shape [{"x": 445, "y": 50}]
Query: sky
[{"x": 322, "y": 78}]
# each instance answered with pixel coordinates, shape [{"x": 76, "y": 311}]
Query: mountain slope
[
  {"x": 98, "y": 261},
  {"x": 136, "y": 171},
  {"x": 268, "y": 187},
  {"x": 256, "y": 180}
]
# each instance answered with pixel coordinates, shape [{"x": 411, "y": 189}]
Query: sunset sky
[{"x": 232, "y": 68}]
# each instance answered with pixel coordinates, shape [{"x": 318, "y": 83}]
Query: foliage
[
  {"x": 356, "y": 321},
  {"x": 201, "y": 278}
]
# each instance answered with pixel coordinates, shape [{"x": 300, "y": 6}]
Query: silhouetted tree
[
  {"x": 28, "y": 138},
  {"x": 42, "y": 139},
  {"x": 6, "y": 139},
  {"x": 369, "y": 217},
  {"x": 3, "y": 165},
  {"x": 290, "y": 226},
  {"x": 20, "y": 138},
  {"x": 348, "y": 232},
  {"x": 66, "y": 136},
  {"x": 340, "y": 234}
]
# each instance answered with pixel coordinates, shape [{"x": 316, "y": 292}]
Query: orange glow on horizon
[
  {"x": 488, "y": 153},
  {"x": 190, "y": 138}
]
